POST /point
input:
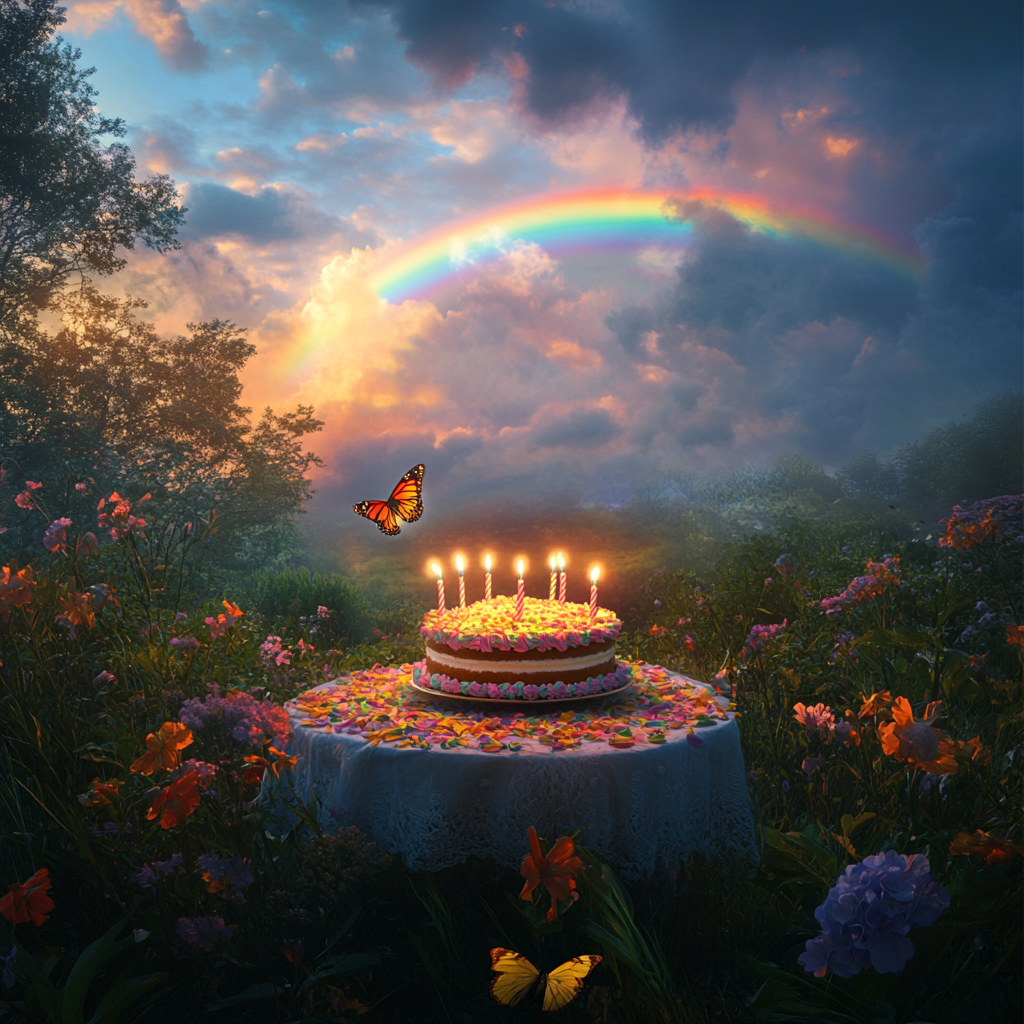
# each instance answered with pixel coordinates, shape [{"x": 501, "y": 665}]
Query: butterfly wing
[
  {"x": 381, "y": 513},
  {"x": 565, "y": 982},
  {"x": 516, "y": 976},
  {"x": 407, "y": 497}
]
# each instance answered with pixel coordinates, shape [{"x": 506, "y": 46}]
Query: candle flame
[
  {"x": 551, "y": 562},
  {"x": 487, "y": 562},
  {"x": 459, "y": 564},
  {"x": 520, "y": 568},
  {"x": 561, "y": 561},
  {"x": 436, "y": 568},
  {"x": 594, "y": 573}
]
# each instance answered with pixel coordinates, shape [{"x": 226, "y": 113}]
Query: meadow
[{"x": 878, "y": 677}]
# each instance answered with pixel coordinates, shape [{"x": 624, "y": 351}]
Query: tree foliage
[
  {"x": 104, "y": 400},
  {"x": 68, "y": 200},
  {"x": 960, "y": 462}
]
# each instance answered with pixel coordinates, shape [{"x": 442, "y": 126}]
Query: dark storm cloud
[
  {"x": 587, "y": 428},
  {"x": 678, "y": 62}
]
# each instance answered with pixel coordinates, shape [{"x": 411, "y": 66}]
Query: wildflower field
[{"x": 879, "y": 684}]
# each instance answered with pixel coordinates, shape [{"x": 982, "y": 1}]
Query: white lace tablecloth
[{"x": 642, "y": 808}]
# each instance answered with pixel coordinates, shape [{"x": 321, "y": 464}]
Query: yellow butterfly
[{"x": 517, "y": 976}]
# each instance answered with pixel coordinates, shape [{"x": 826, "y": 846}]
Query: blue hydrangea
[{"x": 869, "y": 912}]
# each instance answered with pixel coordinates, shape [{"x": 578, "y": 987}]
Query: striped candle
[
  {"x": 520, "y": 593},
  {"x": 440, "y": 590},
  {"x": 554, "y": 579},
  {"x": 462, "y": 581},
  {"x": 593, "y": 594},
  {"x": 561, "y": 578},
  {"x": 487, "y": 578}
]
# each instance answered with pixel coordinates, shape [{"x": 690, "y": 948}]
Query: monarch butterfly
[
  {"x": 517, "y": 977},
  {"x": 406, "y": 502}
]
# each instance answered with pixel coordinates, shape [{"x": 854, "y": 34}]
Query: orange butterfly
[
  {"x": 517, "y": 977},
  {"x": 406, "y": 502}
]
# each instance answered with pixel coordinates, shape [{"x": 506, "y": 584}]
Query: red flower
[
  {"x": 1015, "y": 635},
  {"x": 175, "y": 803},
  {"x": 28, "y": 901},
  {"x": 555, "y": 871},
  {"x": 995, "y": 851}
]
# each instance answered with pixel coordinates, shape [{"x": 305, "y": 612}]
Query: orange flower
[
  {"x": 962, "y": 533},
  {"x": 995, "y": 851},
  {"x": 15, "y": 589},
  {"x": 1015, "y": 635},
  {"x": 917, "y": 742},
  {"x": 177, "y": 801},
  {"x": 75, "y": 611},
  {"x": 234, "y": 612},
  {"x": 555, "y": 872},
  {"x": 28, "y": 901},
  {"x": 100, "y": 793},
  {"x": 282, "y": 762},
  {"x": 873, "y": 704},
  {"x": 163, "y": 748}
]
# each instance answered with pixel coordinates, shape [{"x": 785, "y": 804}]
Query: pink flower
[
  {"x": 185, "y": 643},
  {"x": 80, "y": 488},
  {"x": 322, "y": 612},
  {"x": 56, "y": 535},
  {"x": 817, "y": 718},
  {"x": 24, "y": 500},
  {"x": 104, "y": 677}
]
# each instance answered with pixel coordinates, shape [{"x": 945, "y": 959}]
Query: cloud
[{"x": 583, "y": 429}]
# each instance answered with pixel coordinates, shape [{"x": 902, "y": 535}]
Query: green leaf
[
  {"x": 47, "y": 996},
  {"x": 796, "y": 853},
  {"x": 89, "y": 962},
  {"x": 850, "y": 824},
  {"x": 122, "y": 995}
]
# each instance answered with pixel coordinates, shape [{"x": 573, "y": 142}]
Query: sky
[{"x": 559, "y": 250}]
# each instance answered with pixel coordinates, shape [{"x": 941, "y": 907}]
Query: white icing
[{"x": 521, "y": 668}]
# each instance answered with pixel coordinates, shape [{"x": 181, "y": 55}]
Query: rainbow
[{"x": 563, "y": 223}]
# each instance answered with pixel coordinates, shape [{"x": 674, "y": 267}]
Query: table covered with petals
[{"x": 650, "y": 775}]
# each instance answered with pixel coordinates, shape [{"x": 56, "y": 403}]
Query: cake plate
[{"x": 519, "y": 702}]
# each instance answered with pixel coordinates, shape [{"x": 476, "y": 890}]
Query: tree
[
  {"x": 68, "y": 202},
  {"x": 106, "y": 401}
]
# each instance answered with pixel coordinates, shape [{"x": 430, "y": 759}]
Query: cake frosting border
[{"x": 520, "y": 690}]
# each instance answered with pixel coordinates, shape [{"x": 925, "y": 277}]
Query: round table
[{"x": 650, "y": 776}]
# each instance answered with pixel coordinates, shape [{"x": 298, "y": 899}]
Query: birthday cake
[{"x": 552, "y": 651}]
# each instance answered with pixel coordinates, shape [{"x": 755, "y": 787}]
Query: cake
[{"x": 553, "y": 651}]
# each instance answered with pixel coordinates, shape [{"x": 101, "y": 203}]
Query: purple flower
[
  {"x": 185, "y": 643},
  {"x": 239, "y": 715},
  {"x": 181, "y": 617},
  {"x": 868, "y": 913},
  {"x": 235, "y": 870},
  {"x": 767, "y": 581},
  {"x": 785, "y": 785},
  {"x": 7, "y": 975},
  {"x": 987, "y": 619},
  {"x": 759, "y": 636},
  {"x": 146, "y": 877},
  {"x": 165, "y": 867},
  {"x": 846, "y": 549},
  {"x": 203, "y": 932},
  {"x": 657, "y": 603},
  {"x": 811, "y": 765},
  {"x": 56, "y": 535}
]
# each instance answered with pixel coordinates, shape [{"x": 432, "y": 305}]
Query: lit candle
[
  {"x": 561, "y": 578},
  {"x": 440, "y": 589},
  {"x": 520, "y": 593},
  {"x": 487, "y": 578},
  {"x": 554, "y": 579},
  {"x": 593, "y": 593},
  {"x": 462, "y": 581}
]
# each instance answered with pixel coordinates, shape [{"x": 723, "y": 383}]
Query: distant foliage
[
  {"x": 293, "y": 596},
  {"x": 959, "y": 463}
]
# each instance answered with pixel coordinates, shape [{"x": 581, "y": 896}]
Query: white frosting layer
[{"x": 521, "y": 669}]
